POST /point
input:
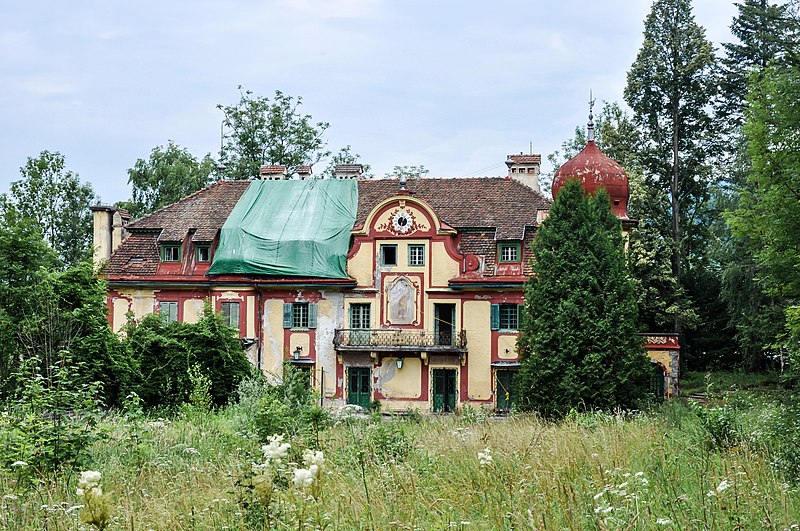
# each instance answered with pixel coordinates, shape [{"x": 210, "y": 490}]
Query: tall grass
[{"x": 590, "y": 471}]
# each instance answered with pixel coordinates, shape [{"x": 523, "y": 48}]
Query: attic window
[
  {"x": 170, "y": 252},
  {"x": 508, "y": 252},
  {"x": 136, "y": 260},
  {"x": 203, "y": 253}
]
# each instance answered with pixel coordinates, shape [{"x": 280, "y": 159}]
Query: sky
[{"x": 455, "y": 86}]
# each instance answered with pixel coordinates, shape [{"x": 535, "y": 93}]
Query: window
[
  {"x": 509, "y": 252},
  {"x": 168, "y": 311},
  {"x": 230, "y": 313},
  {"x": 389, "y": 255},
  {"x": 360, "y": 315},
  {"x": 416, "y": 255},
  {"x": 299, "y": 315},
  {"x": 171, "y": 252},
  {"x": 203, "y": 253},
  {"x": 506, "y": 316}
]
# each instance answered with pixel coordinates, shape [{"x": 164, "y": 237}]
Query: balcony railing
[{"x": 399, "y": 340}]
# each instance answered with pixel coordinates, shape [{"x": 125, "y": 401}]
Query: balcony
[{"x": 399, "y": 340}]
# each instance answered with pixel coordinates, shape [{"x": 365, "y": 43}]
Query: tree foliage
[
  {"x": 169, "y": 174},
  {"x": 345, "y": 156},
  {"x": 57, "y": 201},
  {"x": 261, "y": 131},
  {"x": 409, "y": 172},
  {"x": 579, "y": 338},
  {"x": 669, "y": 87}
]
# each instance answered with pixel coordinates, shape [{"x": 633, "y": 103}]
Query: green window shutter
[
  {"x": 287, "y": 315},
  {"x": 351, "y": 317},
  {"x": 520, "y": 316},
  {"x": 312, "y": 315},
  {"x": 495, "y": 317}
]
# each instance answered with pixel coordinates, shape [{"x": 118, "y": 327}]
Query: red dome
[{"x": 595, "y": 170}]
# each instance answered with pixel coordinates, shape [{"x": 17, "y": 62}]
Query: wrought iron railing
[{"x": 398, "y": 339}]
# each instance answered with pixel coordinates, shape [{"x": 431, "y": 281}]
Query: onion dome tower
[{"x": 595, "y": 170}]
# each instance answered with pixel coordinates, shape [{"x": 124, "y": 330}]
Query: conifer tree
[
  {"x": 669, "y": 87},
  {"x": 579, "y": 338}
]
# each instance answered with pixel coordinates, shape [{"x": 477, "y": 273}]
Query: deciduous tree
[
  {"x": 57, "y": 201},
  {"x": 261, "y": 131},
  {"x": 169, "y": 174}
]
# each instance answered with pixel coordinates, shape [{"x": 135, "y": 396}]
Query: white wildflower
[
  {"x": 485, "y": 457},
  {"x": 276, "y": 449},
  {"x": 11, "y": 497},
  {"x": 303, "y": 478},
  {"x": 639, "y": 474},
  {"x": 19, "y": 463},
  {"x": 723, "y": 486},
  {"x": 312, "y": 458},
  {"x": 663, "y": 521},
  {"x": 191, "y": 451},
  {"x": 711, "y": 494},
  {"x": 89, "y": 479}
]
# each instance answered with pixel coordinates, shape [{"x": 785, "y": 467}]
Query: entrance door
[
  {"x": 657, "y": 382},
  {"x": 444, "y": 390},
  {"x": 359, "y": 388},
  {"x": 444, "y": 316},
  {"x": 504, "y": 389}
]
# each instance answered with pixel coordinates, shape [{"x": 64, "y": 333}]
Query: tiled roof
[
  {"x": 484, "y": 210},
  {"x": 205, "y": 209},
  {"x": 526, "y": 159},
  {"x": 498, "y": 202}
]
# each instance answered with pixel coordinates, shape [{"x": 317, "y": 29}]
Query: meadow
[{"x": 730, "y": 465}]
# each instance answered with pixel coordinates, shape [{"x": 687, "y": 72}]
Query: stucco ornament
[
  {"x": 402, "y": 295},
  {"x": 402, "y": 221}
]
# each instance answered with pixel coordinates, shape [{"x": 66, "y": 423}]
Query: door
[
  {"x": 444, "y": 316},
  {"x": 504, "y": 389},
  {"x": 657, "y": 382},
  {"x": 444, "y": 390},
  {"x": 359, "y": 388}
]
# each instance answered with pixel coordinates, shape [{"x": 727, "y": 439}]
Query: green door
[
  {"x": 444, "y": 390},
  {"x": 657, "y": 382},
  {"x": 504, "y": 389},
  {"x": 360, "y": 388}
]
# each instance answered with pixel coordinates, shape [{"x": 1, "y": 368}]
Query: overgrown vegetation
[{"x": 677, "y": 467}]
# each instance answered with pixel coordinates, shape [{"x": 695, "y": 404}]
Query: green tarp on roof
[{"x": 289, "y": 228}]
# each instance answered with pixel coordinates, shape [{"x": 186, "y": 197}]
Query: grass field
[{"x": 199, "y": 470}]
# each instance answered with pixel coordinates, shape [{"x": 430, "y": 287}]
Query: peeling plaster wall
[
  {"x": 193, "y": 310},
  {"x": 140, "y": 301},
  {"x": 400, "y": 383},
  {"x": 330, "y": 316},
  {"x": 272, "y": 353},
  {"x": 507, "y": 342},
  {"x": 670, "y": 359}
]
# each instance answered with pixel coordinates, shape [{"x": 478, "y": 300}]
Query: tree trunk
[{"x": 675, "y": 202}]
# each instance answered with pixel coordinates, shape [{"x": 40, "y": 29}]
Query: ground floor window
[
  {"x": 168, "y": 311},
  {"x": 230, "y": 313}
]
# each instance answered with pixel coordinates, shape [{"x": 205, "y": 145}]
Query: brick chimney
[
  {"x": 525, "y": 169},
  {"x": 348, "y": 171},
  {"x": 109, "y": 230},
  {"x": 304, "y": 172},
  {"x": 272, "y": 172}
]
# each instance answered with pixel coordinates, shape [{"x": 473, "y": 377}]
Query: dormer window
[
  {"x": 170, "y": 252},
  {"x": 203, "y": 253},
  {"x": 509, "y": 252}
]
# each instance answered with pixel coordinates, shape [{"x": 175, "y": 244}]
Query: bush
[{"x": 164, "y": 354}]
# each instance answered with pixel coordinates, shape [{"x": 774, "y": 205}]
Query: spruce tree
[{"x": 579, "y": 338}]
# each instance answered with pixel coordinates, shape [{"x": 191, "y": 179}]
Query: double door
[
  {"x": 359, "y": 388},
  {"x": 444, "y": 390}
]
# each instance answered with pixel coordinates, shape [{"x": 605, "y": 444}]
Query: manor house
[{"x": 405, "y": 292}]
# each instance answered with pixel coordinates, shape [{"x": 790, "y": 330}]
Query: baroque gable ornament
[{"x": 402, "y": 222}]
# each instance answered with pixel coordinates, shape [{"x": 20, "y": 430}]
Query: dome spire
[{"x": 590, "y": 125}]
